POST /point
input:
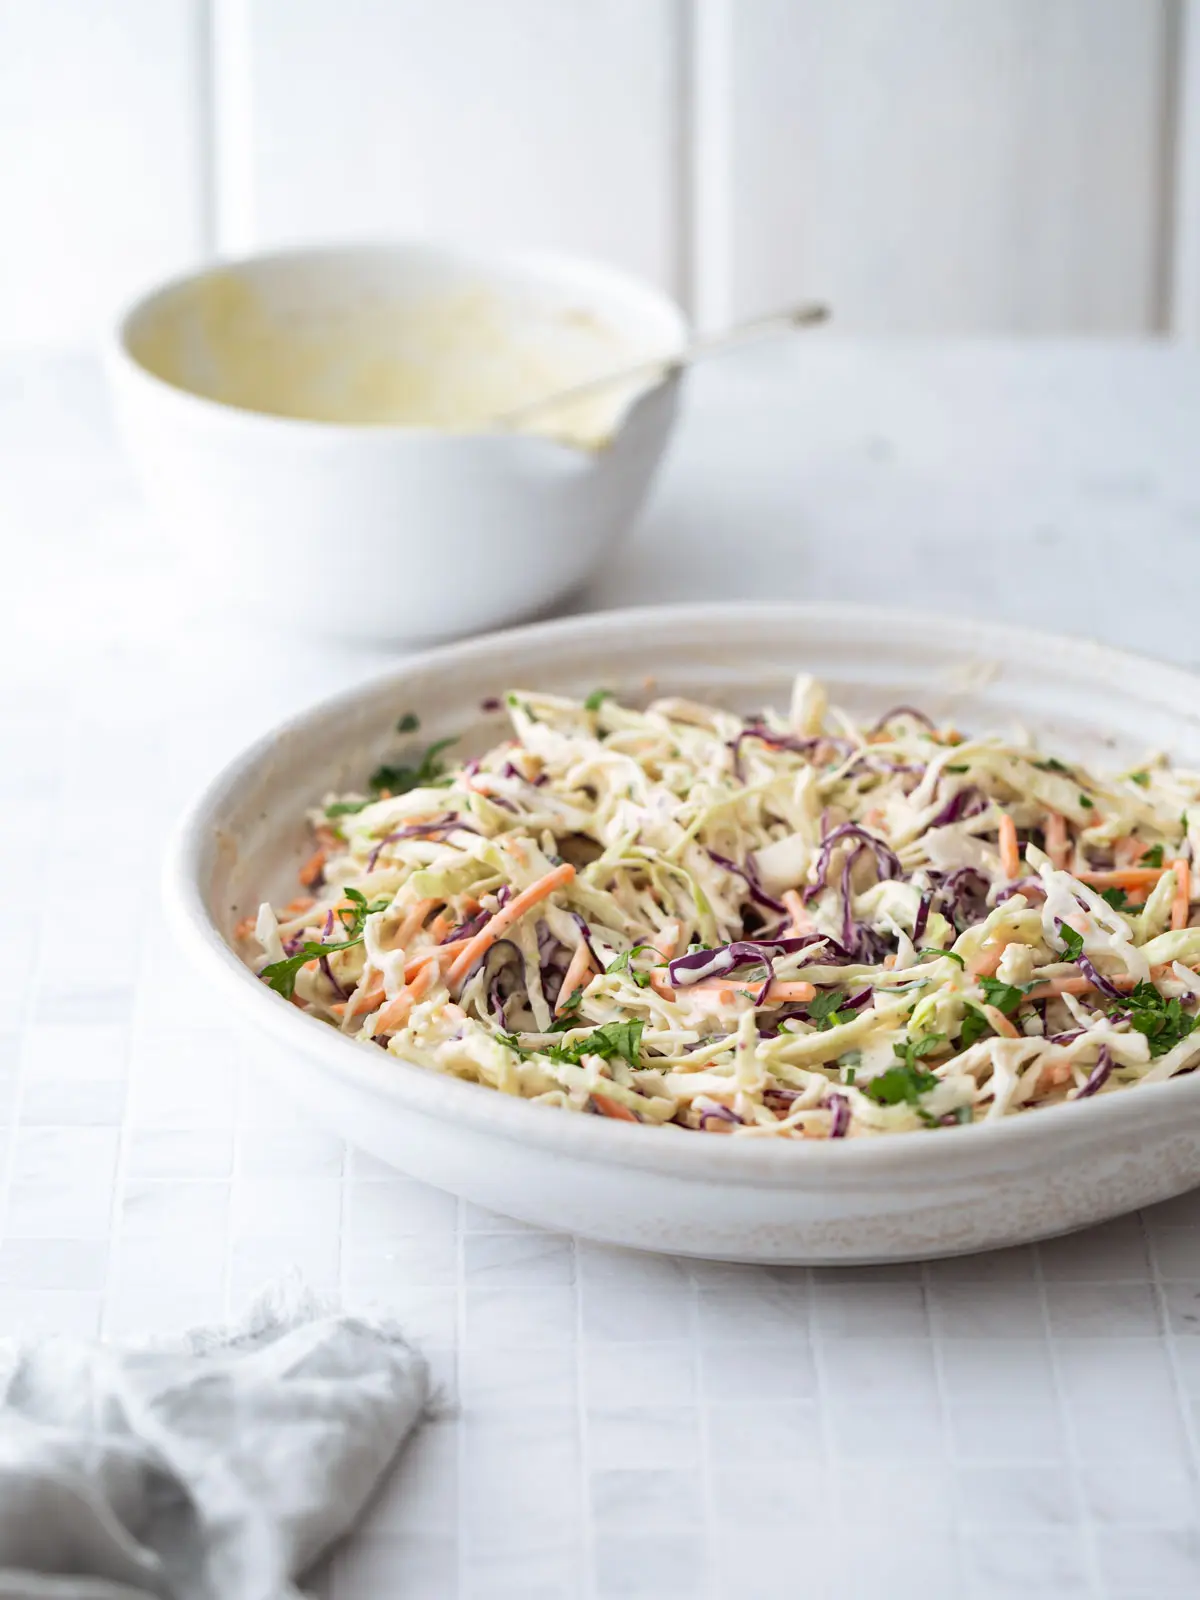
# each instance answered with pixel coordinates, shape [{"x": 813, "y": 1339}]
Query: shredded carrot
[
  {"x": 578, "y": 971},
  {"x": 244, "y": 927},
  {"x": 1123, "y": 878},
  {"x": 1081, "y": 985},
  {"x": 613, "y": 1108},
  {"x": 1058, "y": 845},
  {"x": 1127, "y": 852},
  {"x": 440, "y": 925},
  {"x": 1000, "y": 1022},
  {"x": 1181, "y": 905},
  {"x": 791, "y": 989},
  {"x": 414, "y": 921},
  {"x": 781, "y": 988},
  {"x": 667, "y": 941},
  {"x": 365, "y": 998},
  {"x": 985, "y": 963},
  {"x": 799, "y": 920},
  {"x": 516, "y": 908},
  {"x": 325, "y": 837},
  {"x": 312, "y": 868},
  {"x": 396, "y": 1012},
  {"x": 1010, "y": 849},
  {"x": 442, "y": 955}
]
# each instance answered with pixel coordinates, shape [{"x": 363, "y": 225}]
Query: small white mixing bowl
[{"x": 312, "y": 427}]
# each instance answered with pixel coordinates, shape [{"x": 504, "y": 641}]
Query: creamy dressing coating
[{"x": 790, "y": 925}]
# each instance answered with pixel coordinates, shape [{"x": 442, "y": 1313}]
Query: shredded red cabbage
[
  {"x": 903, "y": 711},
  {"x": 586, "y": 933},
  {"x": 887, "y": 862},
  {"x": 337, "y": 988},
  {"x": 922, "y": 917},
  {"x": 1025, "y": 886},
  {"x": 1102, "y": 983},
  {"x": 719, "y": 1114},
  {"x": 749, "y": 875},
  {"x": 841, "y": 1116},
  {"x": 783, "y": 741},
  {"x": 968, "y": 802},
  {"x": 700, "y": 964},
  {"x": 1098, "y": 1075},
  {"x": 421, "y": 830}
]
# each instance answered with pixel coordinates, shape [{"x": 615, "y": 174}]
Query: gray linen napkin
[{"x": 218, "y": 1467}]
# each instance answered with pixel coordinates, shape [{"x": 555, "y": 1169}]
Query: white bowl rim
[
  {"x": 920, "y": 1155},
  {"x": 549, "y": 262}
]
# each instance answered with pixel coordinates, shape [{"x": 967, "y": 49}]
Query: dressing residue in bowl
[{"x": 450, "y": 360}]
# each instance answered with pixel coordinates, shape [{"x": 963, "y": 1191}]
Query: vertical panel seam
[
  {"x": 1178, "y": 309},
  {"x": 232, "y": 122},
  {"x": 707, "y": 34},
  {"x": 206, "y": 174}
]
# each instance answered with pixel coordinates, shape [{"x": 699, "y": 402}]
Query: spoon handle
[{"x": 802, "y": 316}]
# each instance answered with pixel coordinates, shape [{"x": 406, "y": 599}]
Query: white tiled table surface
[{"x": 1017, "y": 1424}]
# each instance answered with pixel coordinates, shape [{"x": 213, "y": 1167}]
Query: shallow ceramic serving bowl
[
  {"x": 385, "y": 529},
  {"x": 899, "y": 1197}
]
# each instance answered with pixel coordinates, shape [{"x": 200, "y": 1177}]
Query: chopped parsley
[
  {"x": 399, "y": 780},
  {"x": 596, "y": 699},
  {"x": 281, "y": 975},
  {"x": 1142, "y": 779},
  {"x": 624, "y": 965},
  {"x": 622, "y": 1039},
  {"x": 1086, "y": 802},
  {"x": 1116, "y": 898},
  {"x": 1163, "y": 1022},
  {"x": 1072, "y": 942},
  {"x": 568, "y": 1013},
  {"x": 1153, "y": 857},
  {"x": 963, "y": 768},
  {"x": 932, "y": 950},
  {"x": 1051, "y": 764},
  {"x": 906, "y": 1082},
  {"x": 824, "y": 1012},
  {"x": 1006, "y": 997},
  {"x": 974, "y": 1027}
]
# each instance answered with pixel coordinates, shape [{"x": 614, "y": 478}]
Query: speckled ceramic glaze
[{"x": 900, "y": 1197}]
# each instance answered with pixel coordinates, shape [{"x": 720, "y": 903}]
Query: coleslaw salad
[{"x": 784, "y": 926}]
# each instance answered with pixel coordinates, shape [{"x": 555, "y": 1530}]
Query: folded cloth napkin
[{"x": 218, "y": 1467}]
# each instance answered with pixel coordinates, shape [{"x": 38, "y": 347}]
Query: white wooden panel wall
[
  {"x": 525, "y": 121},
  {"x": 943, "y": 167},
  {"x": 931, "y": 166},
  {"x": 102, "y": 156}
]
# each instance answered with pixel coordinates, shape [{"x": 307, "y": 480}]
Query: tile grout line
[
  {"x": 712, "y": 1586},
  {"x": 1067, "y": 1426},
  {"x": 587, "y": 1530},
  {"x": 460, "y": 1432},
  {"x": 1191, "y": 1427},
  {"x": 706, "y": 33},
  {"x": 948, "y": 1442}
]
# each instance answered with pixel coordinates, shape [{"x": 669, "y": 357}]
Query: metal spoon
[{"x": 802, "y": 316}]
